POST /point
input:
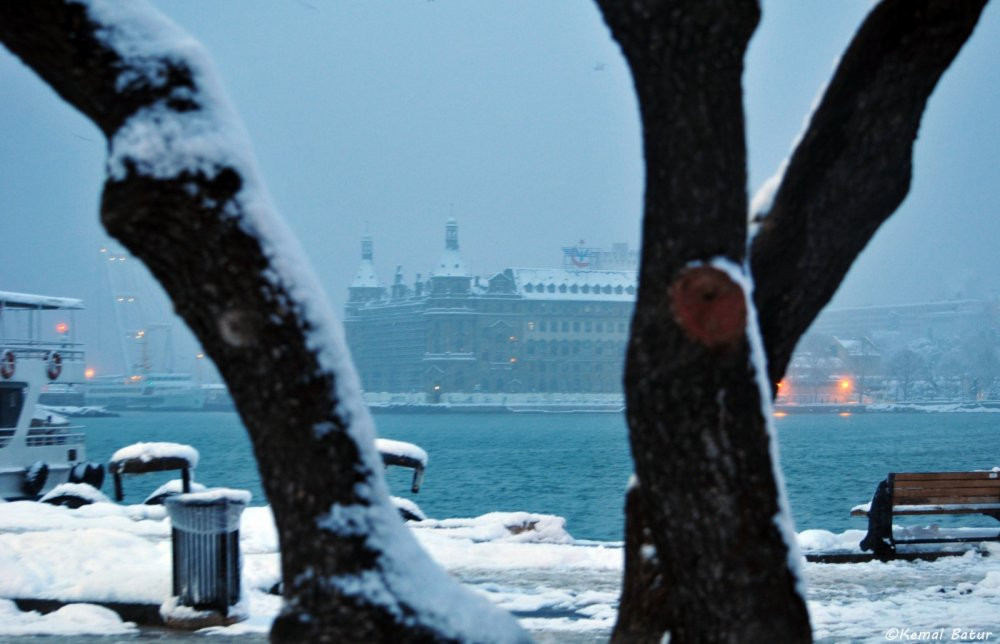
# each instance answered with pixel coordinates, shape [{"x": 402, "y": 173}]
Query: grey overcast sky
[{"x": 516, "y": 117}]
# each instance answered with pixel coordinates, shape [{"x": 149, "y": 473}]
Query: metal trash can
[{"x": 205, "y": 535}]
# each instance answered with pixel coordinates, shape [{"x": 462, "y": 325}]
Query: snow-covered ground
[{"x": 559, "y": 587}]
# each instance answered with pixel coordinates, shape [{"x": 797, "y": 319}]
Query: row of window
[
  {"x": 541, "y": 377},
  {"x": 605, "y": 350},
  {"x": 571, "y": 308},
  {"x": 587, "y": 326},
  {"x": 575, "y": 347},
  {"x": 606, "y": 289}
]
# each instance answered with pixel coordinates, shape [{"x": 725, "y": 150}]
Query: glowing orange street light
[
  {"x": 62, "y": 327},
  {"x": 845, "y": 384},
  {"x": 89, "y": 373}
]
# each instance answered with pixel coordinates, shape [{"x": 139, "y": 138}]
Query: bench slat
[
  {"x": 952, "y": 491},
  {"x": 945, "y": 500},
  {"x": 957, "y": 487},
  {"x": 949, "y": 540},
  {"x": 939, "y": 511},
  {"x": 950, "y": 485},
  {"x": 933, "y": 476}
]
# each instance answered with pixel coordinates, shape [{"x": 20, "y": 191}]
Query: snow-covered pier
[{"x": 109, "y": 567}]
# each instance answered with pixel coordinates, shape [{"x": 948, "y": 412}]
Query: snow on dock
[{"x": 526, "y": 563}]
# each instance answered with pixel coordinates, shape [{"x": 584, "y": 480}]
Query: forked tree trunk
[
  {"x": 708, "y": 506},
  {"x": 698, "y": 434}
]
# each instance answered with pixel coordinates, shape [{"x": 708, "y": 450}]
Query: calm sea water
[{"x": 577, "y": 466}]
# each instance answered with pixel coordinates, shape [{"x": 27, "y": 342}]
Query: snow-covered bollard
[
  {"x": 206, "y": 558},
  {"x": 141, "y": 458}
]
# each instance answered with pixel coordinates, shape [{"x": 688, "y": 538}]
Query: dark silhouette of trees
[
  {"x": 906, "y": 366},
  {"x": 710, "y": 551}
]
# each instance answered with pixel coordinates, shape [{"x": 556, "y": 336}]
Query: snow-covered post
[{"x": 183, "y": 195}]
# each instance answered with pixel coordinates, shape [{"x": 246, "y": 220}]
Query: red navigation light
[{"x": 62, "y": 327}]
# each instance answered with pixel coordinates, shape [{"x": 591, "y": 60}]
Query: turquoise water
[{"x": 577, "y": 466}]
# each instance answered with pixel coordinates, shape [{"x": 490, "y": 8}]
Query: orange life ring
[
  {"x": 7, "y": 364},
  {"x": 55, "y": 365}
]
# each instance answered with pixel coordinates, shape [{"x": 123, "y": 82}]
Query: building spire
[
  {"x": 366, "y": 285},
  {"x": 451, "y": 234},
  {"x": 451, "y": 264}
]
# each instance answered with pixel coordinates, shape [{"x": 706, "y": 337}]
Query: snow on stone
[
  {"x": 523, "y": 527},
  {"x": 81, "y": 490},
  {"x": 73, "y": 619},
  {"x": 148, "y": 521},
  {"x": 146, "y": 452},
  {"x": 557, "y": 585},
  {"x": 175, "y": 486},
  {"x": 92, "y": 564},
  {"x": 401, "y": 448},
  {"x": 408, "y": 506},
  {"x": 171, "y": 610}
]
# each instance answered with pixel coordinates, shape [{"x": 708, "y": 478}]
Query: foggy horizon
[{"x": 521, "y": 123}]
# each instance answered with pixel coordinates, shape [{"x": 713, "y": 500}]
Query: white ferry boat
[
  {"x": 38, "y": 449},
  {"x": 146, "y": 391}
]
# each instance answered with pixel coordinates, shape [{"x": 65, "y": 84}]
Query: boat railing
[
  {"x": 38, "y": 350},
  {"x": 41, "y": 440}
]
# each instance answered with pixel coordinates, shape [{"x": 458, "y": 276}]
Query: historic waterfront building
[{"x": 520, "y": 330}]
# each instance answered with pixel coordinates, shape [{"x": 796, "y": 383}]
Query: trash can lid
[{"x": 211, "y": 496}]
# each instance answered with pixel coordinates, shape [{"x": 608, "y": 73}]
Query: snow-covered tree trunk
[
  {"x": 183, "y": 195},
  {"x": 707, "y": 531}
]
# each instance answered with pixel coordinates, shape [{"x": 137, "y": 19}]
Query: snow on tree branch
[
  {"x": 852, "y": 166},
  {"x": 183, "y": 194}
]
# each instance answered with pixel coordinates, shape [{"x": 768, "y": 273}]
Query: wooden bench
[{"x": 927, "y": 493}]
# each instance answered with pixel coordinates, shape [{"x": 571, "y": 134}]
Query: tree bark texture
[
  {"x": 646, "y": 593},
  {"x": 201, "y": 224},
  {"x": 697, "y": 431},
  {"x": 853, "y": 166}
]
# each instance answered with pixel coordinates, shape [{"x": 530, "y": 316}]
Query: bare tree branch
[
  {"x": 183, "y": 196},
  {"x": 852, "y": 168}
]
